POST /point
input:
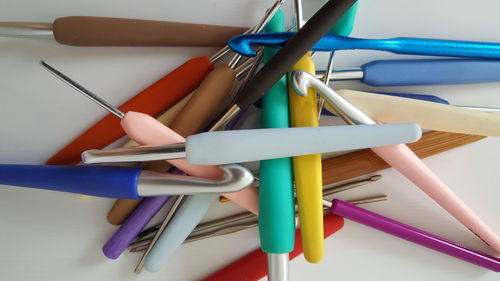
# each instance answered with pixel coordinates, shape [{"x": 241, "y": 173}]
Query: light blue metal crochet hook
[{"x": 243, "y": 44}]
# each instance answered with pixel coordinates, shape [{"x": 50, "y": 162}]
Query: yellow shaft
[{"x": 307, "y": 170}]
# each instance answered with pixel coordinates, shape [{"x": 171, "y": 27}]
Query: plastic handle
[
  {"x": 345, "y": 24},
  {"x": 164, "y": 92},
  {"x": 99, "y": 31},
  {"x": 249, "y": 145},
  {"x": 101, "y": 181},
  {"x": 307, "y": 169},
  {"x": 187, "y": 216},
  {"x": 276, "y": 203},
  {"x": 253, "y": 266},
  {"x": 414, "y": 235},
  {"x": 401, "y": 158},
  {"x": 382, "y": 73},
  {"x": 133, "y": 225},
  {"x": 242, "y": 44},
  {"x": 429, "y": 115}
]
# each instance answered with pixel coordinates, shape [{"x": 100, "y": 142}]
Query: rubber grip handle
[
  {"x": 101, "y": 31},
  {"x": 120, "y": 210},
  {"x": 276, "y": 203},
  {"x": 187, "y": 216},
  {"x": 237, "y": 146},
  {"x": 401, "y": 158},
  {"x": 253, "y": 266},
  {"x": 144, "y": 129},
  {"x": 164, "y": 92},
  {"x": 307, "y": 168},
  {"x": 382, "y": 73},
  {"x": 101, "y": 181},
  {"x": 429, "y": 115},
  {"x": 345, "y": 25},
  {"x": 133, "y": 225}
]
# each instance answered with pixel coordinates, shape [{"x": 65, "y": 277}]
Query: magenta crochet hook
[{"x": 414, "y": 235}]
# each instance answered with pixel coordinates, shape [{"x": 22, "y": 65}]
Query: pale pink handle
[
  {"x": 146, "y": 130},
  {"x": 403, "y": 159}
]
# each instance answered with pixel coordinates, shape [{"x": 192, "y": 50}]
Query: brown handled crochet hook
[{"x": 102, "y": 31}]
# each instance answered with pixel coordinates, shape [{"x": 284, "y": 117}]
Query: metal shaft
[{"x": 95, "y": 98}]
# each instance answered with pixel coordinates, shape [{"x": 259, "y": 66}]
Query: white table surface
[{"x": 56, "y": 236}]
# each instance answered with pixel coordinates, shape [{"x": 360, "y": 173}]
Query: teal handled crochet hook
[
  {"x": 343, "y": 27},
  {"x": 276, "y": 203},
  {"x": 243, "y": 44}
]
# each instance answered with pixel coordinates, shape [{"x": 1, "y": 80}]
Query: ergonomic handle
[
  {"x": 187, "y": 216},
  {"x": 276, "y": 203},
  {"x": 429, "y": 115},
  {"x": 345, "y": 24},
  {"x": 253, "y": 266},
  {"x": 164, "y": 92},
  {"x": 101, "y": 181},
  {"x": 307, "y": 168},
  {"x": 102, "y": 31},
  {"x": 242, "y": 44},
  {"x": 133, "y": 225},
  {"x": 249, "y": 145},
  {"x": 144, "y": 129},
  {"x": 401, "y": 158},
  {"x": 414, "y": 235},
  {"x": 381, "y": 73}
]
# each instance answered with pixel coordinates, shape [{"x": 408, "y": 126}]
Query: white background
[{"x": 55, "y": 236}]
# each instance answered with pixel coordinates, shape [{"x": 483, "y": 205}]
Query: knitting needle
[
  {"x": 103, "y": 31},
  {"x": 404, "y": 160}
]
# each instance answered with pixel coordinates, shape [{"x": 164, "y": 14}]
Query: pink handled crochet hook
[
  {"x": 145, "y": 130},
  {"x": 402, "y": 159}
]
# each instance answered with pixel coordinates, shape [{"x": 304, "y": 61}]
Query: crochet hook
[
  {"x": 404, "y": 160},
  {"x": 398, "y": 229},
  {"x": 105, "y": 31},
  {"x": 306, "y": 168},
  {"x": 383, "y": 73},
  {"x": 429, "y": 115},
  {"x": 120, "y": 182},
  {"x": 276, "y": 202},
  {"x": 242, "y": 44}
]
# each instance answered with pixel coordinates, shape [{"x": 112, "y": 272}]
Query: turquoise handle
[
  {"x": 344, "y": 26},
  {"x": 276, "y": 206}
]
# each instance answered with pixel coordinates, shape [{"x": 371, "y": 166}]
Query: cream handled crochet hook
[
  {"x": 404, "y": 160},
  {"x": 429, "y": 115}
]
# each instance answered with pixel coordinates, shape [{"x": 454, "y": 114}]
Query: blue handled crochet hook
[
  {"x": 383, "y": 73},
  {"x": 242, "y": 44},
  {"x": 120, "y": 182}
]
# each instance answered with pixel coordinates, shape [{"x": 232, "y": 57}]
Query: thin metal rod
[
  {"x": 164, "y": 224},
  {"x": 141, "y": 245},
  {"x": 331, "y": 189},
  {"x": 135, "y": 154},
  {"x": 277, "y": 267},
  {"x": 32, "y": 30},
  {"x": 326, "y": 80},
  {"x": 95, "y": 98}
]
